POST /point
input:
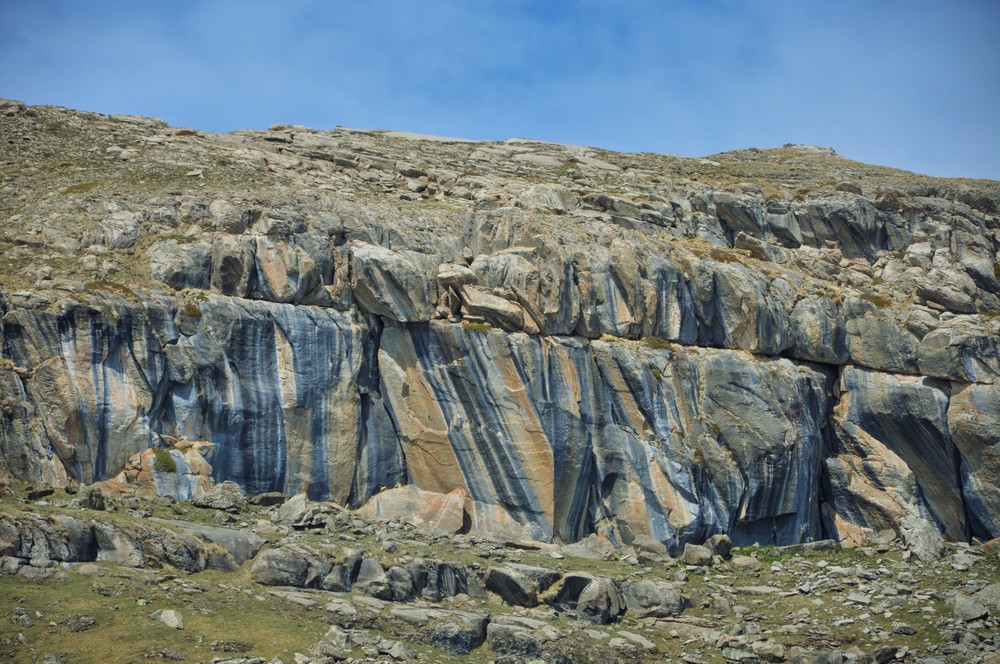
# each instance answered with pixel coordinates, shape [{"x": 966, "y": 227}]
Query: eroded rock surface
[{"x": 525, "y": 340}]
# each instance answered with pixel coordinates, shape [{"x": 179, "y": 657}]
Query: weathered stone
[
  {"x": 600, "y": 602},
  {"x": 181, "y": 265},
  {"x": 720, "y": 545},
  {"x": 894, "y": 429},
  {"x": 974, "y": 425},
  {"x": 520, "y": 637},
  {"x": 695, "y": 554},
  {"x": 170, "y": 617},
  {"x": 654, "y": 599},
  {"x": 280, "y": 567},
  {"x": 423, "y": 509},
  {"x": 592, "y": 547},
  {"x": 373, "y": 581},
  {"x": 746, "y": 564},
  {"x": 967, "y": 609},
  {"x": 438, "y": 580},
  {"x": 268, "y": 499},
  {"x": 394, "y": 285},
  {"x": 226, "y": 496},
  {"x": 631, "y": 409},
  {"x": 233, "y": 266},
  {"x": 301, "y": 513},
  {"x": 91, "y": 498},
  {"x": 495, "y": 310},
  {"x": 240, "y": 545},
  {"x": 458, "y": 633},
  {"x": 513, "y": 587}
]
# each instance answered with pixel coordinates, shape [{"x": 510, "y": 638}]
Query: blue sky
[{"x": 906, "y": 83}]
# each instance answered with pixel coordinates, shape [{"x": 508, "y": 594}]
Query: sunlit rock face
[
  {"x": 525, "y": 339},
  {"x": 279, "y": 391}
]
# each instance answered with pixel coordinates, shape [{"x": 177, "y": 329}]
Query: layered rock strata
[{"x": 577, "y": 341}]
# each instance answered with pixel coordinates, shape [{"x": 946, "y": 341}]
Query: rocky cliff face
[{"x": 782, "y": 345}]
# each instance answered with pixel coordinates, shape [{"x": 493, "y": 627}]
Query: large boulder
[
  {"x": 590, "y": 598},
  {"x": 397, "y": 285},
  {"x": 645, "y": 599},
  {"x": 239, "y": 545},
  {"x": 458, "y": 633},
  {"x": 514, "y": 586},
  {"x": 440, "y": 579},
  {"x": 600, "y": 602},
  {"x": 227, "y": 497},
  {"x": 181, "y": 265},
  {"x": 291, "y": 565}
]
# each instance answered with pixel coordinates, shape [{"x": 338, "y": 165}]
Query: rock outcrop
[{"x": 545, "y": 341}]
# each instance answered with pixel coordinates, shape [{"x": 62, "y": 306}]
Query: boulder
[
  {"x": 600, "y": 602},
  {"x": 516, "y": 636},
  {"x": 497, "y": 311},
  {"x": 372, "y": 580},
  {"x": 720, "y": 545},
  {"x": 91, "y": 498},
  {"x": 440, "y": 579},
  {"x": 240, "y": 545},
  {"x": 226, "y": 496},
  {"x": 513, "y": 586},
  {"x": 746, "y": 564},
  {"x": 280, "y": 567},
  {"x": 392, "y": 284},
  {"x": 695, "y": 554},
  {"x": 301, "y": 513},
  {"x": 170, "y": 617},
  {"x": 653, "y": 599},
  {"x": 592, "y": 547},
  {"x": 233, "y": 265},
  {"x": 181, "y": 265},
  {"x": 966, "y": 608},
  {"x": 458, "y": 633}
]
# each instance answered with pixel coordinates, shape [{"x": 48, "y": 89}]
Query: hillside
[{"x": 536, "y": 342}]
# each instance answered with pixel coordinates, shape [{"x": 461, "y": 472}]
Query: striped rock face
[
  {"x": 569, "y": 437},
  {"x": 544, "y": 437},
  {"x": 527, "y": 339}
]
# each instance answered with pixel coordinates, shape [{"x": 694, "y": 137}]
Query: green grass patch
[
  {"x": 225, "y": 611},
  {"x": 163, "y": 462},
  {"x": 659, "y": 343},
  {"x": 470, "y": 326},
  {"x": 111, "y": 287}
]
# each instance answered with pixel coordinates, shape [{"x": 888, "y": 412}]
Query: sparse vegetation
[
  {"x": 163, "y": 461},
  {"x": 879, "y": 300},
  {"x": 112, "y": 287},
  {"x": 473, "y": 326},
  {"x": 81, "y": 188},
  {"x": 191, "y": 309},
  {"x": 659, "y": 343}
]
